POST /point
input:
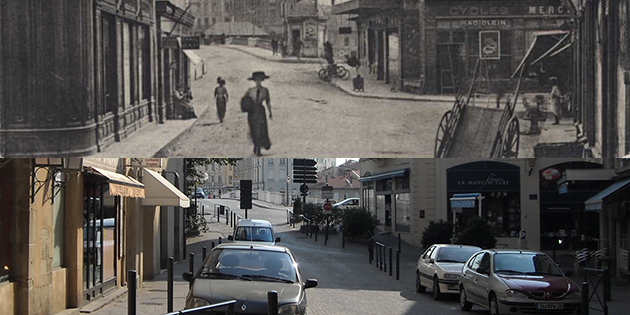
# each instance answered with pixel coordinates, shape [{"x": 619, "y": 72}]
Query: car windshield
[
  {"x": 248, "y": 264},
  {"x": 455, "y": 254},
  {"x": 525, "y": 263},
  {"x": 260, "y": 234}
]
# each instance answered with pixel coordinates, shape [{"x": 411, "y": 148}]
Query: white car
[
  {"x": 254, "y": 230},
  {"x": 440, "y": 267},
  {"x": 348, "y": 203}
]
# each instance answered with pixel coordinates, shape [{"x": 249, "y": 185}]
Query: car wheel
[
  {"x": 463, "y": 302},
  {"x": 494, "y": 305},
  {"x": 437, "y": 295},
  {"x": 419, "y": 287}
]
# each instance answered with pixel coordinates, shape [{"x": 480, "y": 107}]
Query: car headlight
[
  {"x": 196, "y": 302},
  {"x": 289, "y": 309},
  {"x": 451, "y": 276},
  {"x": 574, "y": 295},
  {"x": 516, "y": 294}
]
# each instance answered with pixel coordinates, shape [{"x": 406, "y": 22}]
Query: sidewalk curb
[
  {"x": 395, "y": 98},
  {"x": 99, "y": 304},
  {"x": 160, "y": 152},
  {"x": 306, "y": 60}
]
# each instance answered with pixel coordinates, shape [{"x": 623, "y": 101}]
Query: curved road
[{"x": 310, "y": 117}]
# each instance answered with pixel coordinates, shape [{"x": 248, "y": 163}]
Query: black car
[{"x": 245, "y": 273}]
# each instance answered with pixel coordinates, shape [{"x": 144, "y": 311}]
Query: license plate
[{"x": 549, "y": 306}]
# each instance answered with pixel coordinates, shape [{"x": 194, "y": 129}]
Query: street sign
[
  {"x": 303, "y": 188},
  {"x": 191, "y": 42},
  {"x": 304, "y": 171},
  {"x": 327, "y": 206},
  {"x": 327, "y": 192},
  {"x": 522, "y": 234}
]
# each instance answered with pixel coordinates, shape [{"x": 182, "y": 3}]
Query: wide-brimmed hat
[
  {"x": 258, "y": 74},
  {"x": 553, "y": 79}
]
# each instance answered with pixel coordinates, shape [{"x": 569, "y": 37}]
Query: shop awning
[
  {"x": 545, "y": 44},
  {"x": 121, "y": 185},
  {"x": 362, "y": 6},
  {"x": 596, "y": 202},
  {"x": 464, "y": 200},
  {"x": 160, "y": 192},
  {"x": 390, "y": 174},
  {"x": 193, "y": 56}
]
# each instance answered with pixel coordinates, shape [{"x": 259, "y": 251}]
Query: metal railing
[
  {"x": 593, "y": 278},
  {"x": 383, "y": 258},
  {"x": 290, "y": 218}
]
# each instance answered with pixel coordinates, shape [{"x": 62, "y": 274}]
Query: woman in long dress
[
  {"x": 221, "y": 97},
  {"x": 555, "y": 96},
  {"x": 256, "y": 114}
]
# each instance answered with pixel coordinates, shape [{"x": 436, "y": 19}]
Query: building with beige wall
[
  {"x": 517, "y": 195},
  {"x": 81, "y": 224}
]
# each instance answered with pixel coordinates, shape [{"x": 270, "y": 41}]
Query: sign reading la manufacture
[{"x": 491, "y": 180}]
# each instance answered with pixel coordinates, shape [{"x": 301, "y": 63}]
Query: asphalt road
[{"x": 310, "y": 117}]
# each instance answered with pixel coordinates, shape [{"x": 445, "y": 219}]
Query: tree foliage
[
  {"x": 438, "y": 232},
  {"x": 357, "y": 222},
  {"x": 477, "y": 232}
]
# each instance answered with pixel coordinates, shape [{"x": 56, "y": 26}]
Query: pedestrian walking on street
[
  {"x": 555, "y": 97},
  {"x": 274, "y": 46},
  {"x": 252, "y": 103},
  {"x": 221, "y": 98}
]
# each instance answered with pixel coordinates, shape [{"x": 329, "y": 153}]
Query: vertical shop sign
[{"x": 489, "y": 45}]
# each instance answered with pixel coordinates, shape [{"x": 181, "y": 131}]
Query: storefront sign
[
  {"x": 489, "y": 45},
  {"x": 515, "y": 8},
  {"x": 170, "y": 42},
  {"x": 477, "y": 23},
  {"x": 191, "y": 42},
  {"x": 310, "y": 30},
  {"x": 478, "y": 181}
]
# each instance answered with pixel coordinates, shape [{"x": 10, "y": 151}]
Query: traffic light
[
  {"x": 304, "y": 171},
  {"x": 246, "y": 194}
]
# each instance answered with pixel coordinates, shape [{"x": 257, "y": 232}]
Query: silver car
[
  {"x": 245, "y": 273},
  {"x": 517, "y": 282},
  {"x": 439, "y": 267}
]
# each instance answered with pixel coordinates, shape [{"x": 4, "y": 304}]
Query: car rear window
[
  {"x": 455, "y": 254},
  {"x": 240, "y": 262},
  {"x": 254, "y": 234}
]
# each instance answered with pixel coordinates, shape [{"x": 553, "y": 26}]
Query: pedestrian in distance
[
  {"x": 555, "y": 97},
  {"x": 182, "y": 104},
  {"x": 221, "y": 98},
  {"x": 298, "y": 48},
  {"x": 283, "y": 47},
  {"x": 274, "y": 46},
  {"x": 252, "y": 103}
]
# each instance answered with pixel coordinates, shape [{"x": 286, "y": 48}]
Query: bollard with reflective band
[
  {"x": 585, "y": 296},
  {"x": 131, "y": 291}
]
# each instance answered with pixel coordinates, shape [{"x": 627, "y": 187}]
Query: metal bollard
[
  {"x": 384, "y": 259},
  {"x": 606, "y": 275},
  {"x": 399, "y": 249},
  {"x": 343, "y": 239},
  {"x": 213, "y": 244},
  {"x": 219, "y": 239},
  {"x": 169, "y": 286},
  {"x": 227, "y": 218},
  {"x": 398, "y": 265},
  {"x": 218, "y": 215},
  {"x": 371, "y": 249},
  {"x": 379, "y": 258},
  {"x": 316, "y": 232},
  {"x": 203, "y": 254},
  {"x": 390, "y": 261},
  {"x": 585, "y": 296},
  {"x": 131, "y": 287},
  {"x": 272, "y": 302},
  {"x": 191, "y": 262}
]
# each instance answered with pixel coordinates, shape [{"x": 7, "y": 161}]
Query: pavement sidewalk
[{"x": 269, "y": 56}]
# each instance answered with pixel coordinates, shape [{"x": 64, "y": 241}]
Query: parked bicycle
[{"x": 326, "y": 74}]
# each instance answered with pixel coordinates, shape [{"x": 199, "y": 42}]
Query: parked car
[
  {"x": 254, "y": 230},
  {"x": 245, "y": 273},
  {"x": 347, "y": 203},
  {"x": 517, "y": 282},
  {"x": 439, "y": 267}
]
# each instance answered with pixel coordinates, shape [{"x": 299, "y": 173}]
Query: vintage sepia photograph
[{"x": 378, "y": 78}]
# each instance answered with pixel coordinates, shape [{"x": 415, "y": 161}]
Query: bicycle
[{"x": 340, "y": 72}]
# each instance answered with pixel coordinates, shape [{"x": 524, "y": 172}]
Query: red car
[{"x": 517, "y": 282}]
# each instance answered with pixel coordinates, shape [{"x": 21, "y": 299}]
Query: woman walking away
[
  {"x": 221, "y": 98},
  {"x": 556, "y": 95},
  {"x": 252, "y": 103}
]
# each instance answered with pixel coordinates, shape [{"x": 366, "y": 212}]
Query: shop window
[
  {"x": 403, "y": 212},
  {"x": 6, "y": 222}
]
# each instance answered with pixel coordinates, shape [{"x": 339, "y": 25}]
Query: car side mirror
[
  {"x": 431, "y": 260},
  {"x": 569, "y": 273},
  {"x": 188, "y": 276},
  {"x": 310, "y": 283},
  {"x": 277, "y": 240},
  {"x": 230, "y": 237},
  {"x": 482, "y": 270}
]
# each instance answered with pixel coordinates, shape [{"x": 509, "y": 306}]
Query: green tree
[
  {"x": 195, "y": 221},
  {"x": 358, "y": 222},
  {"x": 477, "y": 232},
  {"x": 438, "y": 232}
]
